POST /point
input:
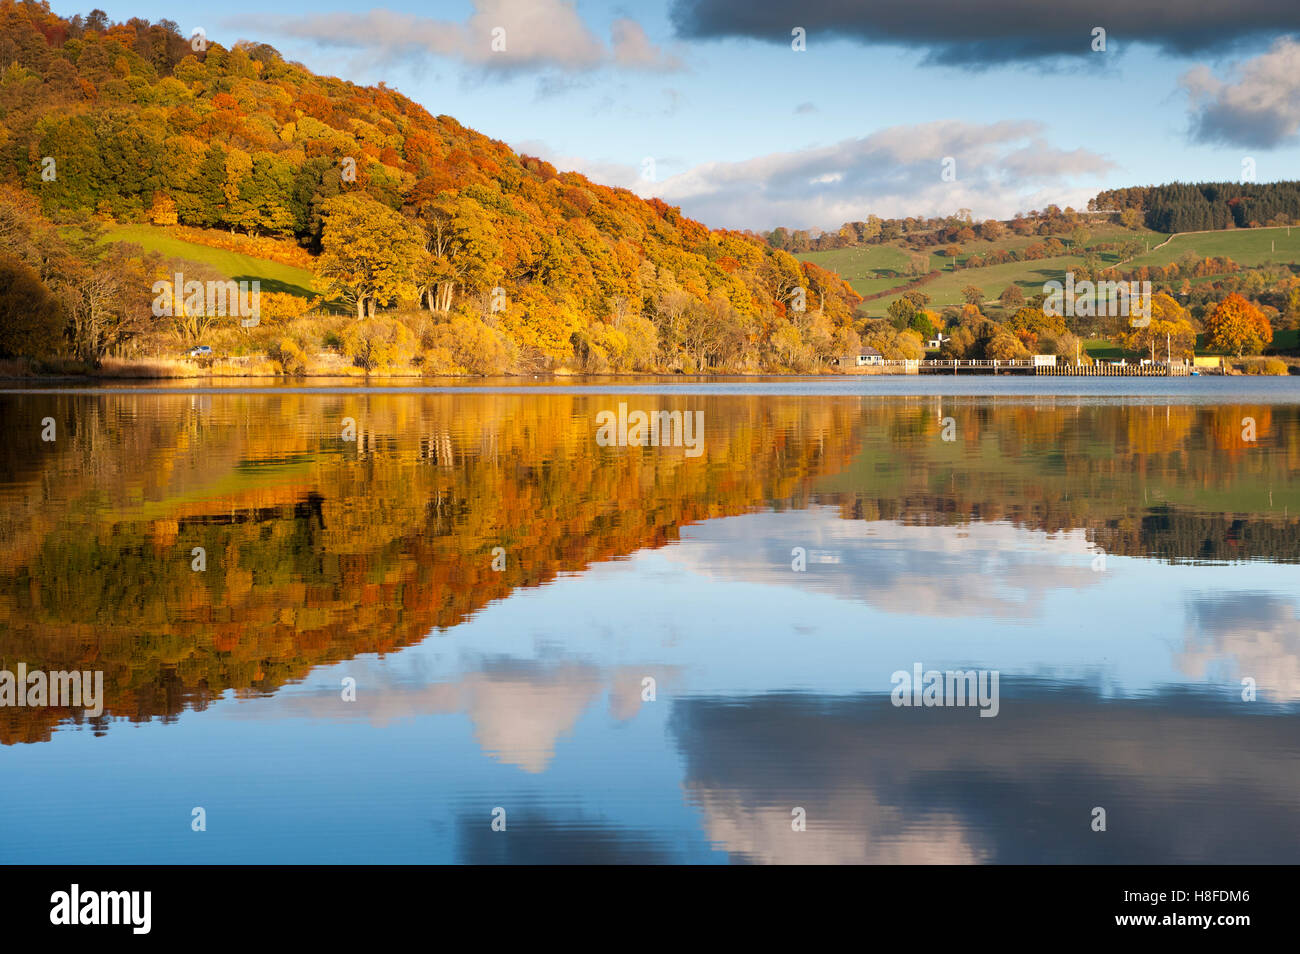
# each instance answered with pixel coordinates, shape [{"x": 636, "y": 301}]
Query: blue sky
[{"x": 705, "y": 103}]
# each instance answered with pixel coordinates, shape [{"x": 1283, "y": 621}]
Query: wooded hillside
[{"x": 130, "y": 122}]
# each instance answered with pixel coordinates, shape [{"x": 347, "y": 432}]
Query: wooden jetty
[{"x": 1031, "y": 366}]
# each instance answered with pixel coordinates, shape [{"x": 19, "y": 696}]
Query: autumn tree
[
  {"x": 105, "y": 289},
  {"x": 973, "y": 295},
  {"x": 782, "y": 277},
  {"x": 1169, "y": 329},
  {"x": 462, "y": 248},
  {"x": 163, "y": 210},
  {"x": 893, "y": 344},
  {"x": 1002, "y": 346},
  {"x": 188, "y": 310},
  {"x": 145, "y": 128},
  {"x": 374, "y": 343},
  {"x": 1036, "y": 322},
  {"x": 472, "y": 346},
  {"x": 901, "y": 312},
  {"x": 1237, "y": 326},
  {"x": 31, "y": 321},
  {"x": 371, "y": 255}
]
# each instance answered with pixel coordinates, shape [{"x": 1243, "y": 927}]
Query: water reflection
[
  {"x": 1183, "y": 780},
  {"x": 646, "y": 656},
  {"x": 989, "y": 569}
]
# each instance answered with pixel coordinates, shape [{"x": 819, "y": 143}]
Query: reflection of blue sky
[
  {"x": 722, "y": 612},
  {"x": 534, "y": 704}
]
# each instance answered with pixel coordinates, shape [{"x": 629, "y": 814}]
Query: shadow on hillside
[{"x": 275, "y": 285}]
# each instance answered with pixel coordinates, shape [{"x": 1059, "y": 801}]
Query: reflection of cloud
[
  {"x": 520, "y": 708},
  {"x": 538, "y": 837},
  {"x": 519, "y": 713},
  {"x": 845, "y": 830},
  {"x": 887, "y": 785},
  {"x": 994, "y": 569},
  {"x": 1246, "y": 634}
]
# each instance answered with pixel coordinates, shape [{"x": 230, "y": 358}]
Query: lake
[{"x": 452, "y": 624}]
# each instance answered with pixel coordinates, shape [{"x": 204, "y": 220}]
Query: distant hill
[
  {"x": 875, "y": 271},
  {"x": 1194, "y": 207}
]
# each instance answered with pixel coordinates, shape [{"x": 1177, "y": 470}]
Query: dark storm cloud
[{"x": 988, "y": 32}]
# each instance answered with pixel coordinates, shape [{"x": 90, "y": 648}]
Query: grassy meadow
[
  {"x": 274, "y": 276},
  {"x": 879, "y": 268}
]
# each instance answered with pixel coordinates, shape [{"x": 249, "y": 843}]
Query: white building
[{"x": 869, "y": 356}]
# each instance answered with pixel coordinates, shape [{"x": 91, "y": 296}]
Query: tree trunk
[
  {"x": 361, "y": 306},
  {"x": 445, "y": 291}
]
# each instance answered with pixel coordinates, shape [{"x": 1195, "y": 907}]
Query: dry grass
[
  {"x": 147, "y": 368},
  {"x": 258, "y": 367},
  {"x": 1269, "y": 366},
  {"x": 16, "y": 368}
]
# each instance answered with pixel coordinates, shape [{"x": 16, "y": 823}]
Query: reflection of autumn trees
[
  {"x": 1176, "y": 482},
  {"x": 320, "y": 549}
]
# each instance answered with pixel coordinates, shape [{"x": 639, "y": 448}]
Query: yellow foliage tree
[
  {"x": 377, "y": 343},
  {"x": 371, "y": 253},
  {"x": 163, "y": 210},
  {"x": 1169, "y": 327}
]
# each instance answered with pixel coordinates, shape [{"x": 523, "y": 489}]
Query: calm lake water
[{"x": 653, "y": 654}]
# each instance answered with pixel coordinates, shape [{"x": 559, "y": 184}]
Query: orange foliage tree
[{"x": 1237, "y": 326}]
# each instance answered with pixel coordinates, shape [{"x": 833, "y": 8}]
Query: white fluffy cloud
[
  {"x": 1261, "y": 109},
  {"x": 535, "y": 34},
  {"x": 1000, "y": 169}
]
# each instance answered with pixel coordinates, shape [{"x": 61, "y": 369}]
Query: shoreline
[
  {"x": 1232, "y": 367},
  {"x": 303, "y": 381},
  {"x": 1214, "y": 389}
]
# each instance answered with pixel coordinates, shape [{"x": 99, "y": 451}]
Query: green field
[
  {"x": 1285, "y": 340},
  {"x": 233, "y": 265},
  {"x": 1244, "y": 246},
  {"x": 946, "y": 289},
  {"x": 867, "y": 268},
  {"x": 874, "y": 269},
  {"x": 1102, "y": 349}
]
